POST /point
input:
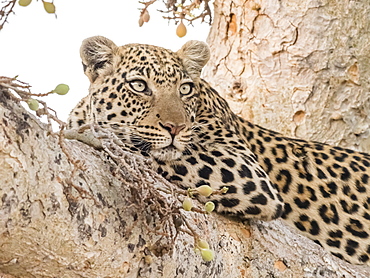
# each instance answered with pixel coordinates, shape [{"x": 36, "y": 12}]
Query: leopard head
[{"x": 146, "y": 94}]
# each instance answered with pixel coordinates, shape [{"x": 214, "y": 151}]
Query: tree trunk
[
  {"x": 64, "y": 218},
  {"x": 297, "y": 67}
]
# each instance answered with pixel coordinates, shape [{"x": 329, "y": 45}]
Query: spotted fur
[{"x": 155, "y": 101}]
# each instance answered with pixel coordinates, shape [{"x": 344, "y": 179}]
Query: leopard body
[{"x": 154, "y": 100}]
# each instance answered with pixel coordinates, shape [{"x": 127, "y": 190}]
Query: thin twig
[
  {"x": 5, "y": 11},
  {"x": 195, "y": 10}
]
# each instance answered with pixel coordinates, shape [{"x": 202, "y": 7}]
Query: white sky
[{"x": 44, "y": 51}]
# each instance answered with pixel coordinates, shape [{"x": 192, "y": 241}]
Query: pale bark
[
  {"x": 48, "y": 229},
  {"x": 297, "y": 67},
  {"x": 300, "y": 68}
]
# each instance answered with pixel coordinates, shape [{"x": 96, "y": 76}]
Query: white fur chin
[{"x": 166, "y": 154}]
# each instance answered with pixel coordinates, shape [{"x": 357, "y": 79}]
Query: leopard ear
[
  {"x": 97, "y": 56},
  {"x": 194, "y": 55}
]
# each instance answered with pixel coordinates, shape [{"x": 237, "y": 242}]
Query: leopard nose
[{"x": 174, "y": 129}]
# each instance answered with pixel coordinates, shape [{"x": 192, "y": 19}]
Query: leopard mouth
[
  {"x": 168, "y": 153},
  {"x": 170, "y": 148}
]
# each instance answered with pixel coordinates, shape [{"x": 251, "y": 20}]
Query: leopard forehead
[
  {"x": 161, "y": 70},
  {"x": 160, "y": 65},
  {"x": 101, "y": 58}
]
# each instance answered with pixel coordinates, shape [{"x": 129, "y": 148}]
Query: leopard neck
[{"x": 213, "y": 108}]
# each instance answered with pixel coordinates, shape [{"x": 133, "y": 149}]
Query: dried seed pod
[
  {"x": 146, "y": 16},
  {"x": 141, "y": 21},
  {"x": 24, "y": 3},
  {"x": 49, "y": 7},
  {"x": 181, "y": 30}
]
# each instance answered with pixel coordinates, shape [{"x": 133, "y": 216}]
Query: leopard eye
[
  {"x": 186, "y": 89},
  {"x": 138, "y": 85}
]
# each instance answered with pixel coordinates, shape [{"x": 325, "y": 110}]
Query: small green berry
[
  {"x": 224, "y": 189},
  {"x": 187, "y": 204},
  {"x": 205, "y": 190},
  {"x": 202, "y": 244},
  {"x": 33, "y": 104},
  {"x": 61, "y": 89},
  {"x": 209, "y": 206},
  {"x": 207, "y": 254},
  {"x": 24, "y": 3}
]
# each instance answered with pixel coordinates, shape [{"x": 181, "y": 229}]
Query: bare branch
[
  {"x": 188, "y": 10},
  {"x": 5, "y": 11}
]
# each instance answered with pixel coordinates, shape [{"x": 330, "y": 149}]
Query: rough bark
[
  {"x": 54, "y": 223},
  {"x": 297, "y": 67}
]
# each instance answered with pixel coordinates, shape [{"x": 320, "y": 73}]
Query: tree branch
[
  {"x": 5, "y": 11},
  {"x": 132, "y": 227}
]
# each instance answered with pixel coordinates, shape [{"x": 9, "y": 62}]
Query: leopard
[{"x": 155, "y": 101}]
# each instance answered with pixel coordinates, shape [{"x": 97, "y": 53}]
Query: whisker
[{"x": 187, "y": 151}]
